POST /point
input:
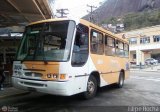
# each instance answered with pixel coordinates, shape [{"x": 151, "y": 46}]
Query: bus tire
[
  {"x": 120, "y": 82},
  {"x": 91, "y": 88}
]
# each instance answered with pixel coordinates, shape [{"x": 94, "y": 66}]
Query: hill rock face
[{"x": 114, "y": 8}]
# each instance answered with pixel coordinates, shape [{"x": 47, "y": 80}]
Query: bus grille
[
  {"x": 32, "y": 84},
  {"x": 33, "y": 74}
]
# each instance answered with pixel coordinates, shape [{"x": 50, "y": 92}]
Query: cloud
[{"x": 77, "y": 8}]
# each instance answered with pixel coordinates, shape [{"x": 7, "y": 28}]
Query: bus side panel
[
  {"x": 109, "y": 67},
  {"x": 92, "y": 68}
]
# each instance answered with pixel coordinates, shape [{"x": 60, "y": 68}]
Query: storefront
[{"x": 8, "y": 48}]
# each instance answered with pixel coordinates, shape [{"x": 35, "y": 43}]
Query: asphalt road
[{"x": 142, "y": 89}]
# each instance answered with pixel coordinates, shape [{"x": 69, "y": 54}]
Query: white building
[{"x": 144, "y": 43}]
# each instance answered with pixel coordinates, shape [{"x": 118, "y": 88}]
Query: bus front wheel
[
  {"x": 120, "y": 82},
  {"x": 91, "y": 88}
]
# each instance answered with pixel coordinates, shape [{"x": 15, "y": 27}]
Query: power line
[
  {"x": 91, "y": 18},
  {"x": 62, "y": 12}
]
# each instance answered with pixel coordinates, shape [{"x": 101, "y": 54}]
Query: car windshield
[{"x": 47, "y": 41}]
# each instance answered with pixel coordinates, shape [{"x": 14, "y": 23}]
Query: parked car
[
  {"x": 158, "y": 59},
  {"x": 132, "y": 62},
  {"x": 151, "y": 61}
]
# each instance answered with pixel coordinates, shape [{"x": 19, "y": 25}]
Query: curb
[
  {"x": 14, "y": 95},
  {"x": 145, "y": 71}
]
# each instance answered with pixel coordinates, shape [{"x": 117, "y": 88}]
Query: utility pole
[
  {"x": 91, "y": 18},
  {"x": 62, "y": 12}
]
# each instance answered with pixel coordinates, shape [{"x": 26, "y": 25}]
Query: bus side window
[
  {"x": 119, "y": 48},
  {"x": 126, "y": 50},
  {"x": 97, "y": 42},
  {"x": 109, "y": 45}
]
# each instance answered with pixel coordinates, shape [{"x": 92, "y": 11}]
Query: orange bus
[{"x": 67, "y": 57}]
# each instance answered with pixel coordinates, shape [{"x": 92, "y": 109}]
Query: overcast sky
[{"x": 77, "y": 8}]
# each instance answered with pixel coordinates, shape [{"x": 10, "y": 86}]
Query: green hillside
[{"x": 136, "y": 20}]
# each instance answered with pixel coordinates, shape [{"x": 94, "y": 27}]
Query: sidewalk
[
  {"x": 12, "y": 92},
  {"x": 147, "y": 69}
]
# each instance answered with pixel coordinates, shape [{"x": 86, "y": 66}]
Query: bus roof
[
  {"x": 85, "y": 22},
  {"x": 48, "y": 20}
]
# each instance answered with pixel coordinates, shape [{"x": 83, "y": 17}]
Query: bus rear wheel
[
  {"x": 91, "y": 88},
  {"x": 120, "y": 82}
]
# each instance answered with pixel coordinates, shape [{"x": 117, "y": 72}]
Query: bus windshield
[{"x": 49, "y": 41}]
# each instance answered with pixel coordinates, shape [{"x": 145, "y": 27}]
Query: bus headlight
[
  {"x": 52, "y": 76},
  {"x": 56, "y": 76},
  {"x": 49, "y": 75},
  {"x": 18, "y": 73}
]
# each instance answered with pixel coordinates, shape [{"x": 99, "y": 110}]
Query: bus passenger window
[
  {"x": 97, "y": 42},
  {"x": 126, "y": 50},
  {"x": 119, "y": 48},
  {"x": 109, "y": 45}
]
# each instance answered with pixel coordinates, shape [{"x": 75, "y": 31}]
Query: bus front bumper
[{"x": 50, "y": 87}]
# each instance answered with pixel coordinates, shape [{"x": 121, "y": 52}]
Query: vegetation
[{"x": 136, "y": 20}]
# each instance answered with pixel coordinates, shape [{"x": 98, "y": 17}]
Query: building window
[
  {"x": 97, "y": 42},
  {"x": 145, "y": 40},
  {"x": 156, "y": 38},
  {"x": 133, "y": 40},
  {"x": 109, "y": 45},
  {"x": 134, "y": 56}
]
